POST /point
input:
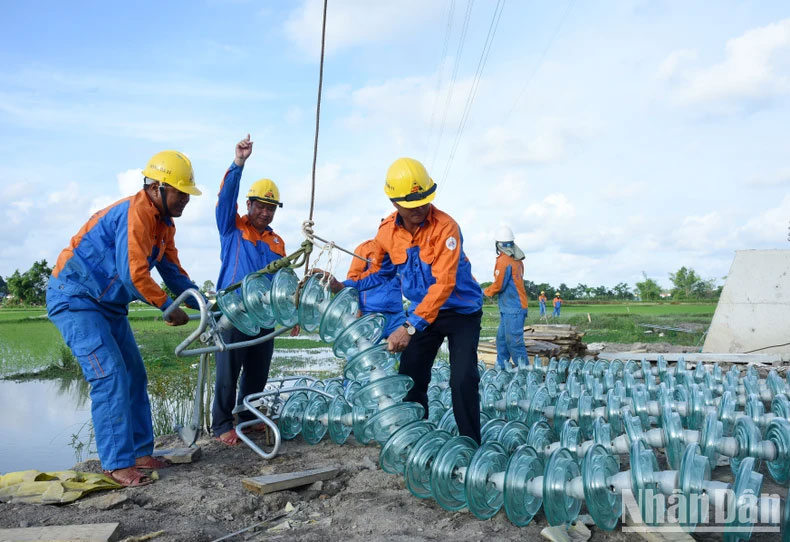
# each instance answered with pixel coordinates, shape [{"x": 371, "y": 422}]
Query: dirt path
[{"x": 205, "y": 501}]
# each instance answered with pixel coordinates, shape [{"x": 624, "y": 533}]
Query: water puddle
[
  {"x": 50, "y": 427},
  {"x": 50, "y": 419}
]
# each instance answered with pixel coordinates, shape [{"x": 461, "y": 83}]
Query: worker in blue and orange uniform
[
  {"x": 557, "y": 305},
  {"x": 105, "y": 267},
  {"x": 424, "y": 246},
  {"x": 509, "y": 284},
  {"x": 385, "y": 299},
  {"x": 542, "y": 302},
  {"x": 248, "y": 244}
]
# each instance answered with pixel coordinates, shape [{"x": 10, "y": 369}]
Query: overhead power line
[
  {"x": 450, "y": 88},
  {"x": 481, "y": 63},
  {"x": 542, "y": 57},
  {"x": 440, "y": 71}
]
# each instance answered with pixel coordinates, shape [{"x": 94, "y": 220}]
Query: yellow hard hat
[
  {"x": 542, "y": 292},
  {"x": 408, "y": 184},
  {"x": 557, "y": 294},
  {"x": 266, "y": 191},
  {"x": 172, "y": 168}
]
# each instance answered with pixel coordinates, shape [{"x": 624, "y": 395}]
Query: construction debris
[{"x": 545, "y": 340}]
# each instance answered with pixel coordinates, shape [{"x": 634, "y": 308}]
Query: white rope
[{"x": 307, "y": 231}]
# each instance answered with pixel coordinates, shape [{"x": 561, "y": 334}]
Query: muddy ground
[{"x": 205, "y": 501}]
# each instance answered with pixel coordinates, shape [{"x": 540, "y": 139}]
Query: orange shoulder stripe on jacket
[
  {"x": 360, "y": 269},
  {"x": 66, "y": 254},
  {"x": 141, "y": 226}
]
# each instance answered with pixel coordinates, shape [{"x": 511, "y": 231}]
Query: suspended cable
[
  {"x": 440, "y": 71},
  {"x": 456, "y": 67},
  {"x": 481, "y": 63},
  {"x": 317, "y": 123},
  {"x": 568, "y": 9}
]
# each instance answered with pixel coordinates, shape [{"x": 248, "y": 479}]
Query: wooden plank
[
  {"x": 693, "y": 357},
  {"x": 565, "y": 327},
  {"x": 654, "y": 533},
  {"x": 179, "y": 455},
  {"x": 487, "y": 359},
  {"x": 278, "y": 482},
  {"x": 96, "y": 532}
]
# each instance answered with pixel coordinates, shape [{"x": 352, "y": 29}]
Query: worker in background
[
  {"x": 248, "y": 244},
  {"x": 557, "y": 305},
  {"x": 425, "y": 247},
  {"x": 509, "y": 284},
  {"x": 542, "y": 302},
  {"x": 385, "y": 299},
  {"x": 106, "y": 266}
]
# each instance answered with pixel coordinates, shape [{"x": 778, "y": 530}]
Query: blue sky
[{"x": 612, "y": 137}]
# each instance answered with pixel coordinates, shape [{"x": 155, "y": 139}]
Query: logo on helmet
[
  {"x": 415, "y": 188},
  {"x": 269, "y": 194}
]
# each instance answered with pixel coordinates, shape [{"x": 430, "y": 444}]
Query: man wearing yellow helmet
[
  {"x": 424, "y": 246},
  {"x": 106, "y": 266},
  {"x": 248, "y": 244},
  {"x": 557, "y": 305}
]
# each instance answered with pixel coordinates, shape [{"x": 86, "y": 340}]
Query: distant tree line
[
  {"x": 29, "y": 288},
  {"x": 687, "y": 285}
]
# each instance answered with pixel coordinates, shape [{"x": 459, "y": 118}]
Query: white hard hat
[{"x": 504, "y": 235}]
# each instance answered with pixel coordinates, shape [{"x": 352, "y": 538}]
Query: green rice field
[
  {"x": 29, "y": 342},
  {"x": 623, "y": 323}
]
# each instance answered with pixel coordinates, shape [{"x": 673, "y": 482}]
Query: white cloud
[
  {"x": 130, "y": 181},
  {"x": 780, "y": 177},
  {"x": 294, "y": 115},
  {"x": 94, "y": 84},
  {"x": 755, "y": 67},
  {"x": 619, "y": 192},
  {"x": 400, "y": 108},
  {"x": 337, "y": 92},
  {"x": 23, "y": 206},
  {"x": 767, "y": 229},
  {"x": 716, "y": 233},
  {"x": 503, "y": 147},
  {"x": 702, "y": 233},
  {"x": 554, "y": 207},
  {"x": 134, "y": 121},
  {"x": 676, "y": 61},
  {"x": 356, "y": 22}
]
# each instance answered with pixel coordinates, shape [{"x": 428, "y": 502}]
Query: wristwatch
[{"x": 410, "y": 329}]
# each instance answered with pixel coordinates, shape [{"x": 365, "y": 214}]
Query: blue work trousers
[
  {"x": 463, "y": 333},
  {"x": 510, "y": 339},
  {"x": 253, "y": 363},
  {"x": 556, "y": 312},
  {"x": 111, "y": 363},
  {"x": 542, "y": 309}
]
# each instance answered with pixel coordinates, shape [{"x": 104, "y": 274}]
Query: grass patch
[
  {"x": 621, "y": 328},
  {"x": 620, "y": 323}
]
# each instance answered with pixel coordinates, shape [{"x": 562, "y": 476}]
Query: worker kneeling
[
  {"x": 424, "y": 246},
  {"x": 509, "y": 284}
]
